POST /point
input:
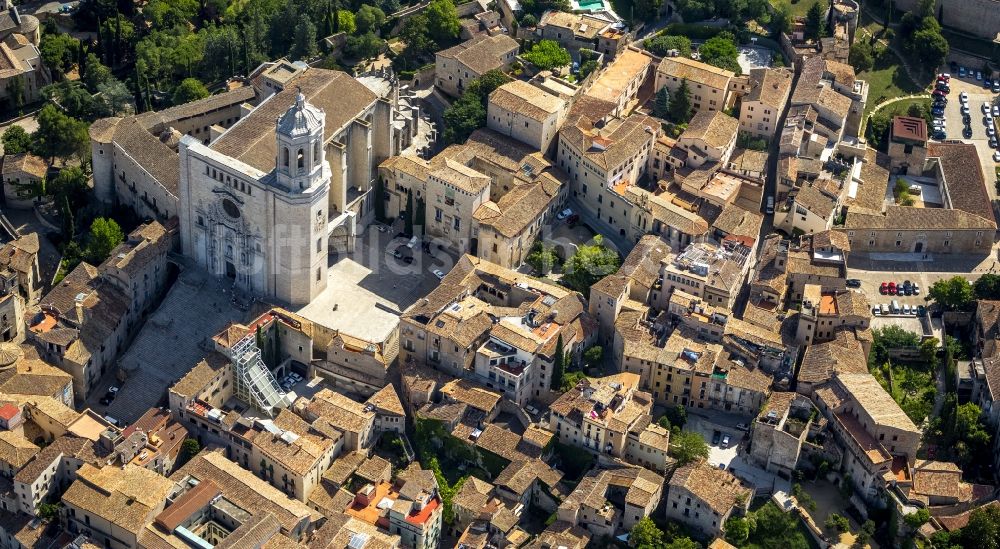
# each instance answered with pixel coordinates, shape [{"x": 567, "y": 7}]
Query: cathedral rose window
[{"x": 231, "y": 209}]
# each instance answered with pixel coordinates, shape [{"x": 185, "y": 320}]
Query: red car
[
  {"x": 892, "y": 288},
  {"x": 884, "y": 288}
]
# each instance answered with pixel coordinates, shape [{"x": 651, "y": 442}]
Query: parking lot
[
  {"x": 714, "y": 427},
  {"x": 954, "y": 125}
]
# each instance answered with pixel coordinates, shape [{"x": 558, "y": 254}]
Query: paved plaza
[{"x": 172, "y": 341}]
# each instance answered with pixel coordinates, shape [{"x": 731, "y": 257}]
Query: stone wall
[{"x": 978, "y": 17}]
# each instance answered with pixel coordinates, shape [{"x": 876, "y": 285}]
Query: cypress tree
[{"x": 558, "y": 363}]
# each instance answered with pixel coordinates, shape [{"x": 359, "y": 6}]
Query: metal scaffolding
[{"x": 255, "y": 384}]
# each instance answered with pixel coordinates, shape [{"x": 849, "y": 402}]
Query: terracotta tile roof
[
  {"x": 612, "y": 82},
  {"x": 147, "y": 243},
  {"x": 718, "y": 489},
  {"x": 387, "y": 401},
  {"x": 151, "y": 154},
  {"x": 770, "y": 86},
  {"x": 252, "y": 139},
  {"x": 843, "y": 354},
  {"x": 521, "y": 97},
  {"x": 519, "y": 208},
  {"x": 610, "y": 146},
  {"x": 695, "y": 72},
  {"x": 735, "y": 220},
  {"x": 467, "y": 392},
  {"x": 15, "y": 450},
  {"x": 198, "y": 377},
  {"x": 343, "y": 413},
  {"x": 15, "y": 164},
  {"x": 126, "y": 497},
  {"x": 964, "y": 178},
  {"x": 482, "y": 53},
  {"x": 715, "y": 128}
]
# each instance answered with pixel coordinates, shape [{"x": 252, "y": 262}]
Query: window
[
  {"x": 319, "y": 274},
  {"x": 458, "y": 223},
  {"x": 437, "y": 214},
  {"x": 319, "y": 244}
]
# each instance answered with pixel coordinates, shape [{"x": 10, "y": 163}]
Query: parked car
[
  {"x": 963, "y": 97},
  {"x": 961, "y": 72},
  {"x": 939, "y": 93},
  {"x": 967, "y": 133},
  {"x": 853, "y": 283},
  {"x": 438, "y": 273},
  {"x": 940, "y": 135},
  {"x": 996, "y": 156},
  {"x": 892, "y": 288},
  {"x": 725, "y": 442},
  {"x": 993, "y": 142},
  {"x": 716, "y": 437},
  {"x": 991, "y": 131},
  {"x": 876, "y": 310},
  {"x": 921, "y": 310},
  {"x": 564, "y": 214},
  {"x": 742, "y": 426},
  {"x": 964, "y": 110},
  {"x": 906, "y": 309},
  {"x": 108, "y": 398},
  {"x": 916, "y": 289},
  {"x": 996, "y": 86},
  {"x": 996, "y": 110},
  {"x": 884, "y": 288},
  {"x": 979, "y": 75}
]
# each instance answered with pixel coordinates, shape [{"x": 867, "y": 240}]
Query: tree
[
  {"x": 60, "y": 135},
  {"x": 737, "y": 530},
  {"x": 114, "y": 98},
  {"x": 837, "y": 524},
  {"x": 49, "y": 511},
  {"x": 105, "y": 234},
  {"x": 867, "y": 530},
  {"x": 542, "y": 258},
  {"x": 646, "y": 10},
  {"x": 15, "y": 91},
  {"x": 304, "y": 47},
  {"x": 983, "y": 529},
  {"x": 462, "y": 118},
  {"x": 687, "y": 446},
  {"x": 69, "y": 185},
  {"x": 442, "y": 21},
  {"x": 547, "y": 55},
  {"x": 985, "y": 287},
  {"x": 59, "y": 51},
  {"x": 860, "y": 56},
  {"x": 590, "y": 263},
  {"x": 661, "y": 45},
  {"x": 931, "y": 47},
  {"x": 928, "y": 349},
  {"x": 363, "y": 47},
  {"x": 15, "y": 140},
  {"x": 593, "y": 356},
  {"x": 588, "y": 67},
  {"x": 483, "y": 86},
  {"x": 558, "y": 365},
  {"x": 918, "y": 518},
  {"x": 646, "y": 535},
  {"x": 781, "y": 20},
  {"x": 951, "y": 294},
  {"x": 96, "y": 73},
  {"x": 74, "y": 99},
  {"x": 190, "y": 89},
  {"x": 721, "y": 52},
  {"x": 815, "y": 21},
  {"x": 529, "y": 21},
  {"x": 189, "y": 449},
  {"x": 408, "y": 214},
  {"x": 661, "y": 107},
  {"x": 680, "y": 104},
  {"x": 369, "y": 19}
]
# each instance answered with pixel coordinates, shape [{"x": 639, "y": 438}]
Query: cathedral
[{"x": 264, "y": 230}]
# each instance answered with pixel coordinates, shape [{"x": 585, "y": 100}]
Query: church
[{"x": 266, "y": 230}]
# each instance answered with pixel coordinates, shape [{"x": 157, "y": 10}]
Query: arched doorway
[{"x": 919, "y": 247}]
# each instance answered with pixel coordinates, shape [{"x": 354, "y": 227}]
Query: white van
[
  {"x": 894, "y": 307},
  {"x": 770, "y": 205},
  {"x": 884, "y": 309}
]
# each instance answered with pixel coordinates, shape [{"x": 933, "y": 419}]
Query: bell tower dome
[{"x": 301, "y": 159}]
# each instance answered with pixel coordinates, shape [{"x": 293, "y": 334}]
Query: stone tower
[{"x": 302, "y": 186}]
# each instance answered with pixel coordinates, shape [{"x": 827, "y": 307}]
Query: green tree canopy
[
  {"x": 190, "y": 89},
  {"x": 917, "y": 518},
  {"x": 69, "y": 186},
  {"x": 96, "y": 74},
  {"x": 931, "y": 47},
  {"x": 661, "y": 106},
  {"x": 680, "y": 104},
  {"x": 646, "y": 535},
  {"x": 548, "y": 55},
  {"x": 305, "y": 45},
  {"x": 951, "y": 294},
  {"x": 593, "y": 356},
  {"x": 737, "y": 530},
  {"x": 105, "y": 234},
  {"x": 661, "y": 45},
  {"x": 590, "y": 263},
  {"x": 15, "y": 140},
  {"x": 687, "y": 446},
  {"x": 987, "y": 286},
  {"x": 983, "y": 529},
  {"x": 861, "y": 56},
  {"x": 442, "y": 21},
  {"x": 60, "y": 135},
  {"x": 721, "y": 52},
  {"x": 59, "y": 51},
  {"x": 815, "y": 21},
  {"x": 369, "y": 19}
]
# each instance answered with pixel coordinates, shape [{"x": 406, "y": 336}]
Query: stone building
[
  {"x": 761, "y": 109},
  {"x": 907, "y": 144},
  {"x": 617, "y": 85},
  {"x": 456, "y": 67},
  {"x": 527, "y": 113},
  {"x": 22, "y": 173},
  {"x": 612, "y": 499},
  {"x": 22, "y": 74},
  {"x": 271, "y": 242},
  {"x": 780, "y": 431},
  {"x": 703, "y": 497},
  {"x": 710, "y": 86}
]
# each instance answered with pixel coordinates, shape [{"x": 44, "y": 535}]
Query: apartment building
[
  {"x": 708, "y": 140},
  {"x": 823, "y": 313},
  {"x": 611, "y": 500},
  {"x": 761, "y": 109},
  {"x": 618, "y": 83},
  {"x": 22, "y": 173},
  {"x": 495, "y": 326},
  {"x": 879, "y": 440},
  {"x": 571, "y": 30},
  {"x": 602, "y": 162},
  {"x": 114, "y": 504},
  {"x": 456, "y": 67},
  {"x": 709, "y": 85},
  {"x": 20, "y": 275},
  {"x": 415, "y": 510},
  {"x": 703, "y": 497},
  {"x": 526, "y": 113},
  {"x": 610, "y": 415},
  {"x": 464, "y": 191},
  {"x": 780, "y": 431},
  {"x": 713, "y": 273},
  {"x": 785, "y": 267},
  {"x": 82, "y": 323}
]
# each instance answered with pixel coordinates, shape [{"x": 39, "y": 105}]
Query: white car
[
  {"x": 996, "y": 157},
  {"x": 963, "y": 97},
  {"x": 991, "y": 131},
  {"x": 564, "y": 214},
  {"x": 986, "y": 108},
  {"x": 996, "y": 110},
  {"x": 438, "y": 273},
  {"x": 112, "y": 389},
  {"x": 725, "y": 442},
  {"x": 965, "y": 109}
]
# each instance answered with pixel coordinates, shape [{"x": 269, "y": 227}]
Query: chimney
[{"x": 79, "y": 306}]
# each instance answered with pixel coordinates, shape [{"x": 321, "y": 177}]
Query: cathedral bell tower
[{"x": 301, "y": 157}]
